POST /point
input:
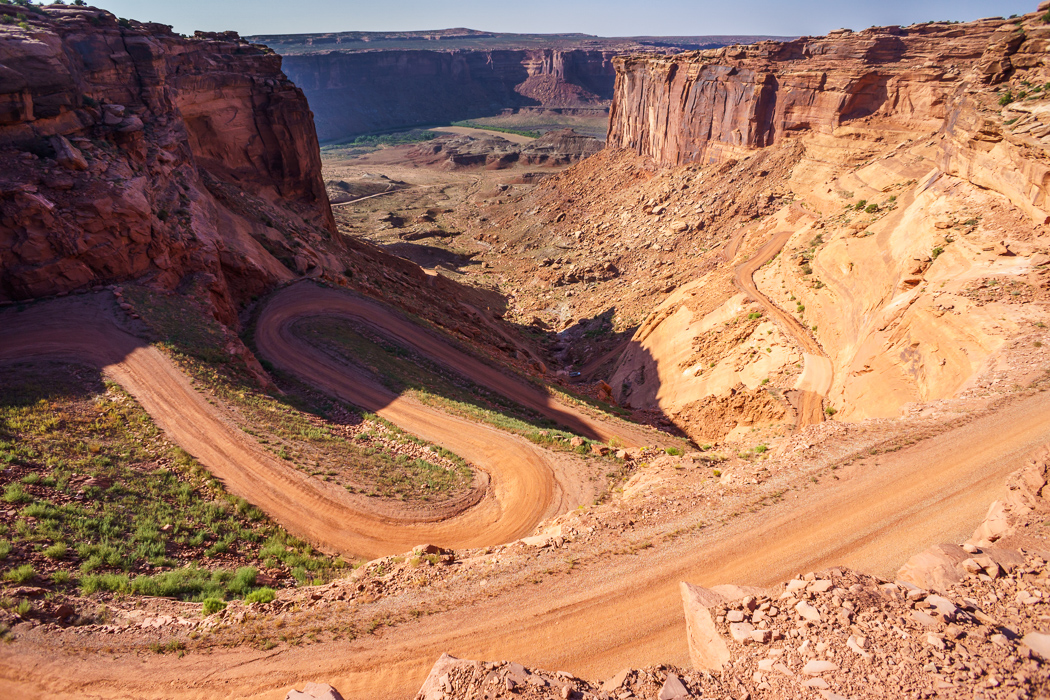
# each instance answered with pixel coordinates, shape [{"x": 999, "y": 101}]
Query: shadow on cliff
[{"x": 590, "y": 351}]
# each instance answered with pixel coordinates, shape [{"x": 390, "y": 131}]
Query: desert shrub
[
  {"x": 1006, "y": 98},
  {"x": 260, "y": 595},
  {"x": 56, "y": 551},
  {"x": 212, "y": 606},
  {"x": 242, "y": 580},
  {"x": 93, "y": 583},
  {"x": 21, "y": 574},
  {"x": 673, "y": 451},
  {"x": 15, "y": 493}
]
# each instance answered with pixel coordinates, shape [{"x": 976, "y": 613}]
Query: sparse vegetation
[
  {"x": 102, "y": 493},
  {"x": 396, "y": 139},
  {"x": 299, "y": 424}
]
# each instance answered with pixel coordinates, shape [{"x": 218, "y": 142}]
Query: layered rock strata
[
  {"x": 360, "y": 92},
  {"x": 128, "y": 151}
]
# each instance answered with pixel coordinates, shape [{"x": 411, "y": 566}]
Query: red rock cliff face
[
  {"x": 354, "y": 93},
  {"x": 716, "y": 104},
  {"x": 130, "y": 152}
]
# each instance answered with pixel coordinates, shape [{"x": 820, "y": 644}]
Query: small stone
[
  {"x": 741, "y": 631},
  {"x": 934, "y": 641},
  {"x": 761, "y": 636},
  {"x": 924, "y": 619},
  {"x": 1039, "y": 643},
  {"x": 673, "y": 689},
  {"x": 1026, "y": 598},
  {"x": 818, "y": 683},
  {"x": 856, "y": 645},
  {"x": 735, "y": 616},
  {"x": 807, "y": 611},
  {"x": 616, "y": 681},
  {"x": 818, "y": 666},
  {"x": 820, "y": 586}
]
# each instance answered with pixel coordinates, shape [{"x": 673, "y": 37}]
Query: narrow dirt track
[
  {"x": 278, "y": 344},
  {"x": 816, "y": 376},
  {"x": 521, "y": 485}
]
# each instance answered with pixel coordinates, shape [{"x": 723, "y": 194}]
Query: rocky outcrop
[
  {"x": 555, "y": 148},
  {"x": 716, "y": 104},
  {"x": 127, "y": 151},
  {"x": 353, "y": 93}
]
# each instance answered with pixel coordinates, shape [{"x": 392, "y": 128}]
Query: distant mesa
[{"x": 365, "y": 82}]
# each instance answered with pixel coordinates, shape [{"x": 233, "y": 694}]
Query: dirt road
[
  {"x": 815, "y": 381},
  {"x": 520, "y": 139},
  {"x": 519, "y": 487},
  {"x": 279, "y": 345},
  {"x": 624, "y": 610}
]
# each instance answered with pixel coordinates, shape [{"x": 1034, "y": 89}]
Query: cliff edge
[{"x": 128, "y": 151}]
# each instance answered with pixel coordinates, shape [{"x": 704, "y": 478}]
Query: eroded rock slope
[{"x": 895, "y": 181}]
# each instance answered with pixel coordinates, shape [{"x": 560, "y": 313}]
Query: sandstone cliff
[
  {"x": 358, "y": 92},
  {"x": 859, "y": 218},
  {"x": 128, "y": 151},
  {"x": 921, "y": 136}
]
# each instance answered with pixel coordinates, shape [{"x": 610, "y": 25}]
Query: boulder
[
  {"x": 67, "y": 155},
  {"x": 708, "y": 650},
  {"x": 936, "y": 568}
]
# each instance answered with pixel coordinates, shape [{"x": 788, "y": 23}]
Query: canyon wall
[
  {"x": 127, "y": 151},
  {"x": 353, "y": 93},
  {"x": 722, "y": 103},
  {"x": 919, "y": 157}
]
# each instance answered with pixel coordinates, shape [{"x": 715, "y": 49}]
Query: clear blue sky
[{"x": 601, "y": 17}]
